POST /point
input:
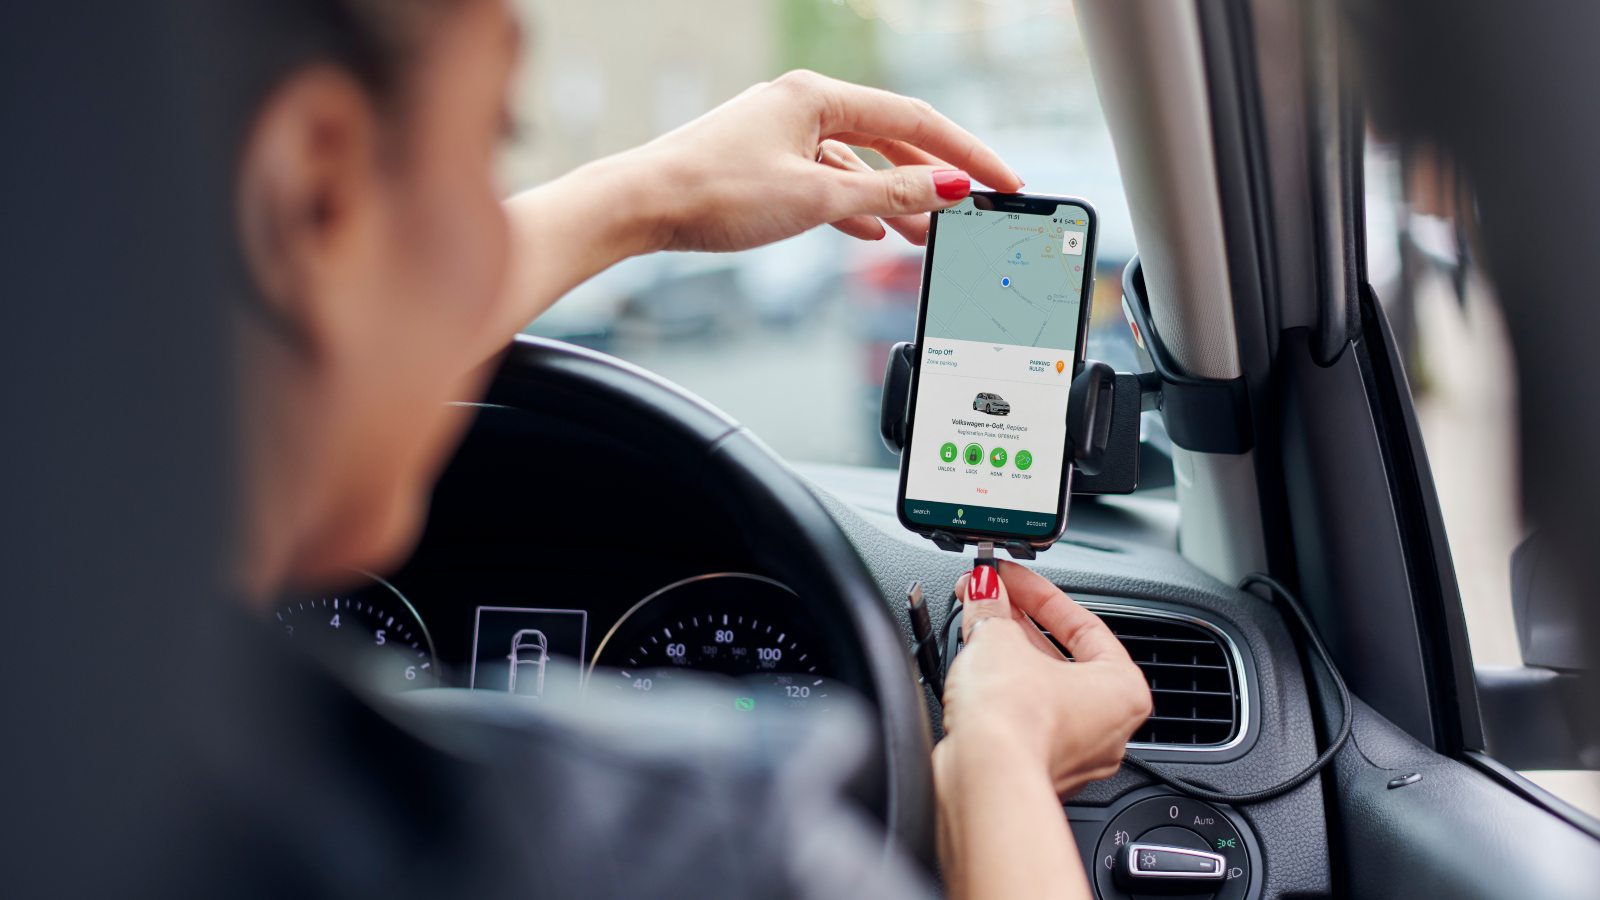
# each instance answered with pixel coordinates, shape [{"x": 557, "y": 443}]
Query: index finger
[
  {"x": 854, "y": 110},
  {"x": 1082, "y": 632}
]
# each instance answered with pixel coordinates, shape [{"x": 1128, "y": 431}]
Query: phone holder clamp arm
[{"x": 1205, "y": 415}]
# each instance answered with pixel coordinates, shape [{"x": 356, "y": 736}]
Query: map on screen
[{"x": 1007, "y": 278}]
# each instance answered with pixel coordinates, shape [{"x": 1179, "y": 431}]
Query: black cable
[{"x": 1185, "y": 786}]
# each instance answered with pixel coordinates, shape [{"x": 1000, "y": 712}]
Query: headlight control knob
[{"x": 1172, "y": 846}]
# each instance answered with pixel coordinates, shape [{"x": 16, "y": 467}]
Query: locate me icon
[{"x": 1072, "y": 243}]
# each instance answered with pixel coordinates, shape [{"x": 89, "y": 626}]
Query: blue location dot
[{"x": 1005, "y": 282}]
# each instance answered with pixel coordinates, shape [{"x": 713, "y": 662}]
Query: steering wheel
[{"x": 792, "y": 535}]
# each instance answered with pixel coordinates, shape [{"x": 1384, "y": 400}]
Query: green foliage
[{"x": 828, "y": 36}]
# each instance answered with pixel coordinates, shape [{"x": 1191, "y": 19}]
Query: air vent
[{"x": 1194, "y": 680}]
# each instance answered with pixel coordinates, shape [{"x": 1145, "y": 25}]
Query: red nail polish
[
  {"x": 985, "y": 584},
  {"x": 952, "y": 184}
]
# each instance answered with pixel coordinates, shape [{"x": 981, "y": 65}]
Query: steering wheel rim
[{"x": 773, "y": 505}]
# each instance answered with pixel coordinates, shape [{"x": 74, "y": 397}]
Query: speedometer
[{"x": 747, "y": 627}]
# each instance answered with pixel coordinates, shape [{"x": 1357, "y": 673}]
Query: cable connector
[{"x": 926, "y": 646}]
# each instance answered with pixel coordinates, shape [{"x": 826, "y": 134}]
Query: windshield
[{"x": 791, "y": 339}]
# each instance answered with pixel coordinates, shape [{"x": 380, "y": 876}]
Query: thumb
[
  {"x": 900, "y": 191},
  {"x": 983, "y": 596}
]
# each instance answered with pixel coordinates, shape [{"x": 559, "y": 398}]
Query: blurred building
[{"x": 600, "y": 77}]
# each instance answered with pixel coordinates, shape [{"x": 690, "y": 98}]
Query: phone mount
[
  {"x": 1102, "y": 432},
  {"x": 1202, "y": 415}
]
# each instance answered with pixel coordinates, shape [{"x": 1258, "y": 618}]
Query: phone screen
[{"x": 1000, "y": 334}]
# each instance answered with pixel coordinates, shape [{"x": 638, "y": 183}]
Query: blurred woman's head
[{"x": 375, "y": 246}]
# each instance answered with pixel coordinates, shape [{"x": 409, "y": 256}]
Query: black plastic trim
[
  {"x": 1091, "y": 394},
  {"x": 1467, "y": 828},
  {"x": 1442, "y": 625},
  {"x": 1519, "y": 784},
  {"x": 895, "y": 403},
  {"x": 1205, "y": 415},
  {"x": 1121, "y": 463},
  {"x": 1351, "y": 560}
]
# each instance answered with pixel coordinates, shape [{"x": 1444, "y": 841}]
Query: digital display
[
  {"x": 1001, "y": 324},
  {"x": 534, "y": 653}
]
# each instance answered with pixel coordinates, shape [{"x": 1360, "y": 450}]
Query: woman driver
[{"x": 372, "y": 232}]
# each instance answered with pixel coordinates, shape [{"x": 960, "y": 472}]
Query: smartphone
[{"x": 1001, "y": 324}]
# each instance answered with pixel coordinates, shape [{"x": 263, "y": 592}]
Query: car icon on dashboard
[{"x": 530, "y": 651}]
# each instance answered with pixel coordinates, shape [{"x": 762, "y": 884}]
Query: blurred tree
[{"x": 828, "y": 36}]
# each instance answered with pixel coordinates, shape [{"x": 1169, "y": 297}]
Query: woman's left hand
[{"x": 776, "y": 160}]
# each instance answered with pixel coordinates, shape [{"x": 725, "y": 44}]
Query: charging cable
[{"x": 1183, "y": 785}]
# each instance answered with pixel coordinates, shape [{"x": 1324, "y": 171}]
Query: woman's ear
[{"x": 307, "y": 187}]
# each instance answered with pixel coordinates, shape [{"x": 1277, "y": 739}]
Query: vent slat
[
  {"x": 1193, "y": 682},
  {"x": 1190, "y": 692}
]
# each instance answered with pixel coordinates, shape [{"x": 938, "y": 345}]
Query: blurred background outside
[
  {"x": 791, "y": 339},
  {"x": 1422, "y": 262},
  {"x": 805, "y": 324}
]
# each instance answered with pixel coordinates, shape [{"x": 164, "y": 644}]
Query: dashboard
[
  {"x": 494, "y": 633},
  {"x": 572, "y": 552},
  {"x": 508, "y": 591}
]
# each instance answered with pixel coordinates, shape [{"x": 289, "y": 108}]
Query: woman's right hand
[{"x": 1012, "y": 699}]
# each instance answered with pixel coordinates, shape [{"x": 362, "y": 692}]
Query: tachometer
[
  {"x": 375, "y": 630},
  {"x": 747, "y": 627}
]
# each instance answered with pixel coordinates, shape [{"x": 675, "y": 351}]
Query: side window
[{"x": 1423, "y": 266}]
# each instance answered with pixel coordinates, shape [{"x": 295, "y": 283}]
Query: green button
[
  {"x": 997, "y": 457},
  {"x": 973, "y": 454},
  {"x": 948, "y": 452},
  {"x": 744, "y": 704},
  {"x": 1024, "y": 460}
]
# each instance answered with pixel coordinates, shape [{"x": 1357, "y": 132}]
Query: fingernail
[
  {"x": 1020, "y": 182},
  {"x": 985, "y": 584},
  {"x": 952, "y": 184}
]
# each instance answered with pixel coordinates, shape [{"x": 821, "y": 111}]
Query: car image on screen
[{"x": 993, "y": 404}]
